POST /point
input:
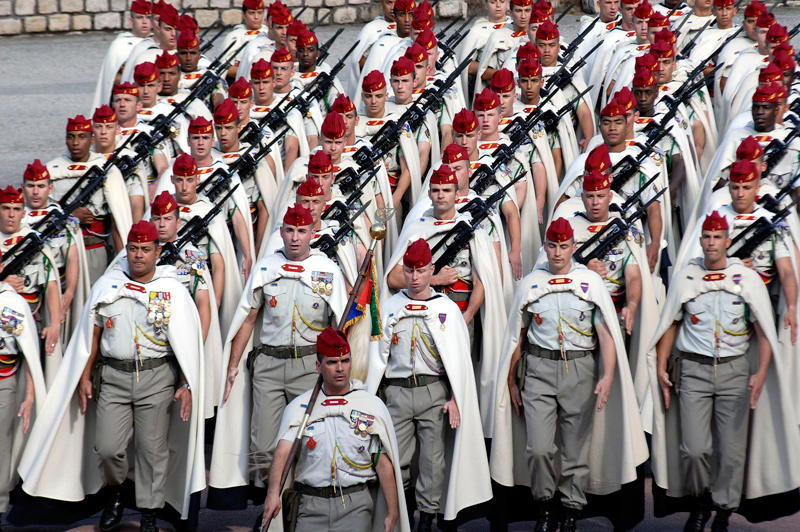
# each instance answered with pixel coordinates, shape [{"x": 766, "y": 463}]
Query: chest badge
[
  {"x": 311, "y": 443},
  {"x": 585, "y": 288},
  {"x": 110, "y": 323},
  {"x": 361, "y": 422},
  {"x": 273, "y": 302},
  {"x": 537, "y": 318},
  {"x": 695, "y": 319},
  {"x": 442, "y": 319},
  {"x": 395, "y": 339}
]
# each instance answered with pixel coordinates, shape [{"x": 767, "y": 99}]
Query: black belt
[
  {"x": 284, "y": 351},
  {"x": 330, "y": 492},
  {"x": 555, "y": 354},
  {"x": 708, "y": 360},
  {"x": 130, "y": 365},
  {"x": 414, "y": 381}
]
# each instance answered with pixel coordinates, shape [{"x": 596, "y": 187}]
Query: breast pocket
[
  {"x": 314, "y": 435},
  {"x": 734, "y": 314},
  {"x": 276, "y": 298},
  {"x": 542, "y": 314},
  {"x": 313, "y": 306},
  {"x": 696, "y": 311}
]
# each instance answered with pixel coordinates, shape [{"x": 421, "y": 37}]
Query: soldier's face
[
  {"x": 724, "y": 16},
  {"x": 612, "y": 128},
  {"x": 743, "y": 195},
  {"x": 645, "y": 98},
  {"x": 350, "y": 120},
  {"x": 227, "y": 135},
  {"x": 496, "y": 10},
  {"x": 166, "y": 225},
  {"x": 488, "y": 122},
  {"x": 761, "y": 39},
  {"x": 185, "y": 188},
  {"x": 421, "y": 73},
  {"x": 277, "y": 32},
  {"x": 520, "y": 16},
  {"x": 469, "y": 140},
  {"x": 141, "y": 25},
  {"x": 166, "y": 35},
  {"x": 608, "y": 9},
  {"x": 253, "y": 18},
  {"x": 702, "y": 5},
  {"x": 388, "y": 10},
  {"x": 262, "y": 89},
  {"x": 315, "y": 204},
  {"x": 291, "y": 44},
  {"x": 666, "y": 67},
  {"x": 559, "y": 254},
  {"x": 714, "y": 244},
  {"x": 529, "y": 88},
  {"x": 169, "y": 81},
  {"x": 549, "y": 49},
  {"x": 640, "y": 27},
  {"x": 333, "y": 147},
  {"x": 750, "y": 29},
  {"x": 596, "y": 203},
  {"x": 188, "y": 58},
  {"x": 461, "y": 169},
  {"x": 11, "y": 215},
  {"x": 325, "y": 181},
  {"x": 36, "y": 192},
  {"x": 105, "y": 133},
  {"x": 374, "y": 102},
  {"x": 78, "y": 144},
  {"x": 403, "y": 87},
  {"x": 307, "y": 56},
  {"x": 243, "y": 106},
  {"x": 764, "y": 115},
  {"x": 296, "y": 240},
  {"x": 443, "y": 198},
  {"x": 126, "y": 106},
  {"x": 149, "y": 92},
  {"x": 627, "y": 12},
  {"x": 417, "y": 279},
  {"x": 283, "y": 73},
  {"x": 507, "y": 100},
  {"x": 335, "y": 372},
  {"x": 403, "y": 19},
  {"x": 200, "y": 144},
  {"x": 433, "y": 56},
  {"x": 142, "y": 257}
]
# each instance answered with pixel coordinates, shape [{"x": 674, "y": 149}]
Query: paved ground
[{"x": 47, "y": 78}]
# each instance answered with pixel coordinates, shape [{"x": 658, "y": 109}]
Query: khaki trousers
[
  {"x": 721, "y": 402},
  {"x": 559, "y": 400},
  {"x": 127, "y": 408},
  {"x": 276, "y": 382},
  {"x": 417, "y": 416},
  {"x": 350, "y": 513},
  {"x": 8, "y": 414}
]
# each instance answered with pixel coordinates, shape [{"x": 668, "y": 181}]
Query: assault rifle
[
  {"x": 328, "y": 243},
  {"x": 573, "y": 46},
  {"x": 207, "y": 45},
  {"x": 318, "y": 23},
  {"x": 563, "y": 14},
  {"x": 777, "y": 149},
  {"x": 758, "y": 232},
  {"x": 352, "y": 183},
  {"x": 689, "y": 46},
  {"x": 564, "y": 75},
  {"x": 324, "y": 50},
  {"x": 192, "y": 231},
  {"x": 460, "y": 235},
  {"x": 449, "y": 45}
]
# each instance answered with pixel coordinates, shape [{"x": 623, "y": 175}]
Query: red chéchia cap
[
  {"x": 333, "y": 126},
  {"x": 184, "y": 165},
  {"x": 36, "y": 171},
  {"x": 142, "y": 231},
  {"x": 163, "y": 204},
  {"x": 332, "y": 343},
  {"x": 559, "y": 231},
  {"x": 298, "y": 216},
  {"x": 418, "y": 254},
  {"x": 444, "y": 175},
  {"x": 310, "y": 188},
  {"x": 596, "y": 180},
  {"x": 715, "y": 222},
  {"x": 320, "y": 163}
]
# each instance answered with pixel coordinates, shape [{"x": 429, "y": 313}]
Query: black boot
[
  {"x": 569, "y": 520},
  {"x": 547, "y": 521},
  {"x": 425, "y": 522},
  {"x": 148, "y": 521},
  {"x": 699, "y": 516},
  {"x": 720, "y": 523},
  {"x": 112, "y": 513}
]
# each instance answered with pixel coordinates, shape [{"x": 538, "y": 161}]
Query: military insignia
[
  {"x": 585, "y": 288},
  {"x": 110, "y": 323},
  {"x": 334, "y": 401},
  {"x": 537, "y": 318},
  {"x": 273, "y": 302},
  {"x": 135, "y": 287},
  {"x": 442, "y": 318},
  {"x": 737, "y": 278},
  {"x": 406, "y": 129},
  {"x": 582, "y": 316},
  {"x": 395, "y": 339},
  {"x": 315, "y": 305},
  {"x": 361, "y": 422},
  {"x": 322, "y": 282},
  {"x": 559, "y": 280},
  {"x": 311, "y": 443},
  {"x": 294, "y": 268},
  {"x": 695, "y": 320},
  {"x": 413, "y": 307},
  {"x": 713, "y": 277},
  {"x": 11, "y": 321},
  {"x": 159, "y": 310}
]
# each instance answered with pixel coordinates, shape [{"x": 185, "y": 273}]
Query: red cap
[
  {"x": 662, "y": 49},
  {"x": 167, "y": 14},
  {"x": 648, "y": 61},
  {"x": 184, "y": 165},
  {"x": 529, "y": 68},
  {"x": 374, "y": 81},
  {"x": 765, "y": 19},
  {"x": 769, "y": 93},
  {"x": 282, "y": 55},
  {"x": 629, "y": 2},
  {"x": 643, "y": 11},
  {"x": 164, "y": 203},
  {"x": 200, "y": 126},
  {"x": 754, "y": 9},
  {"x": 261, "y": 69},
  {"x": 547, "y": 31},
  {"x": 528, "y": 50},
  {"x": 539, "y": 15},
  {"x": 715, "y": 222},
  {"x": 770, "y": 74},
  {"x": 777, "y": 34},
  {"x": 279, "y": 14},
  {"x": 545, "y": 6},
  {"x": 240, "y": 89},
  {"x": 79, "y": 123},
  {"x": 402, "y": 66},
  {"x": 743, "y": 172},
  {"x": 421, "y": 22},
  {"x": 416, "y": 53},
  {"x": 444, "y": 175},
  {"x": 226, "y": 112},
  {"x": 658, "y": 20},
  {"x": 298, "y": 216},
  {"x": 310, "y": 188},
  {"x": 143, "y": 231},
  {"x": 36, "y": 171},
  {"x": 255, "y": 5},
  {"x": 665, "y": 34},
  {"x": 465, "y": 121},
  {"x": 142, "y": 7},
  {"x": 427, "y": 39},
  {"x": 502, "y": 81},
  {"x": 342, "y": 104},
  {"x": 596, "y": 180},
  {"x": 146, "y": 72},
  {"x": 598, "y": 159},
  {"x": 749, "y": 149},
  {"x": 404, "y": 5},
  {"x": 424, "y": 8},
  {"x": 126, "y": 88},
  {"x": 320, "y": 163},
  {"x": 625, "y": 98},
  {"x": 784, "y": 62},
  {"x": 783, "y": 48},
  {"x": 11, "y": 195},
  {"x": 333, "y": 126},
  {"x": 559, "y": 231},
  {"x": 167, "y": 60},
  {"x": 295, "y": 28},
  {"x": 486, "y": 100},
  {"x": 188, "y": 40},
  {"x": 307, "y": 38},
  {"x": 643, "y": 77},
  {"x": 612, "y": 109},
  {"x": 417, "y": 255},
  {"x": 521, "y": 3},
  {"x": 724, "y": 3},
  {"x": 454, "y": 153},
  {"x": 104, "y": 115},
  {"x": 332, "y": 343},
  {"x": 186, "y": 22}
]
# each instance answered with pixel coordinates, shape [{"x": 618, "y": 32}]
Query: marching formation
[{"x": 479, "y": 271}]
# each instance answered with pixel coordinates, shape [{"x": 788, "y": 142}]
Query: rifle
[
  {"x": 208, "y": 29},
  {"x": 563, "y": 14},
  {"x": 449, "y": 50},
  {"x": 352, "y": 183},
  {"x": 758, "y": 232},
  {"x": 573, "y": 46},
  {"x": 388, "y": 135},
  {"x": 460, "y": 235},
  {"x": 328, "y": 244},
  {"x": 777, "y": 149},
  {"x": 682, "y": 24},
  {"x": 207, "y": 45},
  {"x": 192, "y": 231},
  {"x": 251, "y": 133},
  {"x": 324, "y": 49},
  {"x": 563, "y": 75},
  {"x": 689, "y": 46},
  {"x": 321, "y": 20},
  {"x": 443, "y": 32},
  {"x": 456, "y": 35},
  {"x": 609, "y": 236}
]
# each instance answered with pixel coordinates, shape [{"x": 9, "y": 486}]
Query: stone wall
[{"x": 52, "y": 16}]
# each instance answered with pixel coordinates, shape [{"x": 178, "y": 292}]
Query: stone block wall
[{"x": 19, "y": 17}]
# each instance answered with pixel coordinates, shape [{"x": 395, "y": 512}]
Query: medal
[
  {"x": 442, "y": 319},
  {"x": 273, "y": 302}
]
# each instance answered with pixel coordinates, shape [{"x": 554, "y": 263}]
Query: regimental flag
[{"x": 367, "y": 305}]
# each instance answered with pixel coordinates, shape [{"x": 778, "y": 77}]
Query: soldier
[
  {"x": 170, "y": 77},
  {"x": 307, "y": 54},
  {"x": 147, "y": 77},
  {"x": 165, "y": 25},
  {"x": 262, "y": 46},
  {"x": 502, "y": 42},
  {"x": 252, "y": 27},
  {"x": 424, "y": 364},
  {"x": 339, "y": 497},
  {"x": 126, "y": 104},
  {"x": 191, "y": 68},
  {"x": 402, "y": 79},
  {"x": 295, "y": 293}
]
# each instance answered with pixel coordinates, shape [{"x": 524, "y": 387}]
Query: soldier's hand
[
  {"x": 16, "y": 282},
  {"x": 445, "y": 277},
  {"x": 50, "y": 336},
  {"x": 790, "y": 322},
  {"x": 451, "y": 409},
  {"x": 582, "y": 144},
  {"x": 597, "y": 266},
  {"x": 84, "y": 393},
  {"x": 247, "y": 265},
  {"x": 389, "y": 522},
  {"x": 748, "y": 261},
  {"x": 628, "y": 314},
  {"x": 665, "y": 384},
  {"x": 66, "y": 303},
  {"x": 272, "y": 505},
  {"x": 184, "y": 394},
  {"x": 25, "y": 413},
  {"x": 84, "y": 215},
  {"x": 602, "y": 391},
  {"x": 515, "y": 259},
  {"x": 232, "y": 373},
  {"x": 516, "y": 397},
  {"x": 653, "y": 248},
  {"x": 755, "y": 385}
]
